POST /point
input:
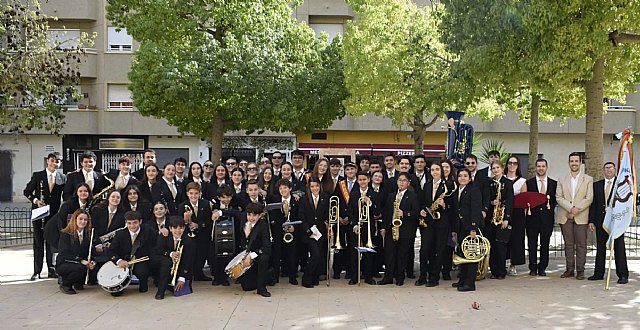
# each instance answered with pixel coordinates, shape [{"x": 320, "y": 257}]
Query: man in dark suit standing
[
  {"x": 94, "y": 179},
  {"x": 135, "y": 242},
  {"x": 168, "y": 190},
  {"x": 480, "y": 180},
  {"x": 149, "y": 156},
  {"x": 166, "y": 254},
  {"x": 390, "y": 172},
  {"x": 492, "y": 156},
  {"x": 45, "y": 188},
  {"x": 197, "y": 213},
  {"x": 603, "y": 191},
  {"x": 255, "y": 240},
  {"x": 540, "y": 222},
  {"x": 370, "y": 198},
  {"x": 122, "y": 177}
]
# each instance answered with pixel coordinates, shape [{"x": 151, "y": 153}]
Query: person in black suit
[
  {"x": 255, "y": 240},
  {"x": 540, "y": 222},
  {"x": 396, "y": 252},
  {"x": 122, "y": 177},
  {"x": 132, "y": 201},
  {"x": 108, "y": 215},
  {"x": 72, "y": 262},
  {"x": 480, "y": 180},
  {"x": 342, "y": 257},
  {"x": 95, "y": 180},
  {"x": 314, "y": 211},
  {"x": 603, "y": 192},
  {"x": 285, "y": 252},
  {"x": 466, "y": 220},
  {"x": 165, "y": 255},
  {"x": 160, "y": 222},
  {"x": 335, "y": 165},
  {"x": 377, "y": 184},
  {"x": 390, "y": 172},
  {"x": 371, "y": 199},
  {"x": 135, "y": 242},
  {"x": 222, "y": 208},
  {"x": 58, "y": 221},
  {"x": 197, "y": 213},
  {"x": 146, "y": 183},
  {"x": 45, "y": 188},
  {"x": 420, "y": 176},
  {"x": 168, "y": 190},
  {"x": 435, "y": 228},
  {"x": 498, "y": 258},
  {"x": 492, "y": 156},
  {"x": 149, "y": 158}
]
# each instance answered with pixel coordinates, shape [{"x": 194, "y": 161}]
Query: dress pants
[
  {"x": 315, "y": 262},
  {"x": 396, "y": 256},
  {"x": 39, "y": 245},
  {"x": 163, "y": 266},
  {"x": 256, "y": 277},
  {"x": 498, "y": 254},
  {"x": 468, "y": 274},
  {"x": 71, "y": 273},
  {"x": 202, "y": 243},
  {"x": 516, "y": 242},
  {"x": 575, "y": 245},
  {"x": 541, "y": 227},
  {"x": 622, "y": 271},
  {"x": 433, "y": 241}
]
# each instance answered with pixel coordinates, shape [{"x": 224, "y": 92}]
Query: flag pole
[{"x": 606, "y": 287}]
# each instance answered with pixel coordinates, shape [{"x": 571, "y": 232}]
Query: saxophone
[
  {"x": 434, "y": 206},
  {"x": 396, "y": 222},
  {"x": 100, "y": 196},
  {"x": 498, "y": 209}
]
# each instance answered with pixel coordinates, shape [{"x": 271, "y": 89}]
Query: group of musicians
[{"x": 162, "y": 223}]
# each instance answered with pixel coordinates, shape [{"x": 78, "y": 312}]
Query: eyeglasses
[
  {"x": 402, "y": 180},
  {"x": 469, "y": 163},
  {"x": 251, "y": 168},
  {"x": 231, "y": 163},
  {"x": 207, "y": 165},
  {"x": 276, "y": 157},
  {"x": 243, "y": 164},
  {"x": 512, "y": 163},
  {"x": 265, "y": 162}
]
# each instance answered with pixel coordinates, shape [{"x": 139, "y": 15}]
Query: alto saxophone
[
  {"x": 396, "y": 222},
  {"x": 434, "y": 206},
  {"x": 498, "y": 209}
]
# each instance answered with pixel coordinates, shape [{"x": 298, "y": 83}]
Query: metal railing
[
  {"x": 631, "y": 240},
  {"x": 15, "y": 226}
]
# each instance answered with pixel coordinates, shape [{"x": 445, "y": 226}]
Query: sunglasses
[
  {"x": 512, "y": 163},
  {"x": 265, "y": 162},
  {"x": 276, "y": 157},
  {"x": 207, "y": 165},
  {"x": 231, "y": 163},
  {"x": 251, "y": 168},
  {"x": 469, "y": 163}
]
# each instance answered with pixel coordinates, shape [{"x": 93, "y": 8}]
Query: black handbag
[{"x": 503, "y": 235}]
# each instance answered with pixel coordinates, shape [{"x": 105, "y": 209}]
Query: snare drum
[
  {"x": 235, "y": 268},
  {"x": 113, "y": 278}
]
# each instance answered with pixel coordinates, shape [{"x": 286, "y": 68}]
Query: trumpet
[
  {"x": 396, "y": 222},
  {"x": 174, "y": 268},
  {"x": 191, "y": 233},
  {"x": 498, "y": 209}
]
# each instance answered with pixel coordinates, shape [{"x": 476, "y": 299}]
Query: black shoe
[
  {"x": 159, "y": 295},
  {"x": 542, "y": 273},
  {"x": 456, "y": 284},
  {"x": 421, "y": 281},
  {"x": 385, "y": 281},
  {"x": 265, "y": 294},
  {"x": 52, "y": 275},
  {"x": 293, "y": 281},
  {"x": 316, "y": 282},
  {"x": 117, "y": 294},
  {"x": 215, "y": 283},
  {"x": 202, "y": 278},
  {"x": 623, "y": 280},
  {"x": 494, "y": 277},
  {"x": 432, "y": 284},
  {"x": 501, "y": 277},
  {"x": 353, "y": 282},
  {"x": 377, "y": 275},
  {"x": 225, "y": 283},
  {"x": 532, "y": 273},
  {"x": 595, "y": 277},
  {"x": 78, "y": 287},
  {"x": 466, "y": 288},
  {"x": 411, "y": 276},
  {"x": 446, "y": 277},
  {"x": 67, "y": 290},
  {"x": 336, "y": 276},
  {"x": 370, "y": 281},
  {"x": 34, "y": 277},
  {"x": 307, "y": 285},
  {"x": 143, "y": 289},
  {"x": 400, "y": 282}
]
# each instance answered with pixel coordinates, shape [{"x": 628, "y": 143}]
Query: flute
[{"x": 86, "y": 280}]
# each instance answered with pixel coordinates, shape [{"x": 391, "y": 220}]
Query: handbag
[{"x": 503, "y": 235}]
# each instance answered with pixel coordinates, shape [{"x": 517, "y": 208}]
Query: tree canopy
[
  {"x": 37, "y": 75},
  {"x": 210, "y": 66}
]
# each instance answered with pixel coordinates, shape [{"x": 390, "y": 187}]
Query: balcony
[
  {"x": 88, "y": 66},
  {"x": 76, "y": 10}
]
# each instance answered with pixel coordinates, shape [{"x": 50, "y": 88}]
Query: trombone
[
  {"x": 363, "y": 217},
  {"x": 334, "y": 219}
]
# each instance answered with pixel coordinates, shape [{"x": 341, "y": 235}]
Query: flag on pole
[{"x": 622, "y": 206}]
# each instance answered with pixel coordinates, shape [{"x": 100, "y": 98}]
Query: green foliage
[
  {"x": 248, "y": 64},
  {"x": 36, "y": 76},
  {"x": 490, "y": 145}
]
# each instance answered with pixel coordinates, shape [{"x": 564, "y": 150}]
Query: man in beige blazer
[{"x": 574, "y": 195}]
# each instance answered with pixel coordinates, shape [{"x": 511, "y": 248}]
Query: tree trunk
[
  {"x": 534, "y": 129},
  {"x": 217, "y": 133},
  {"x": 418, "y": 129},
  {"x": 594, "y": 145}
]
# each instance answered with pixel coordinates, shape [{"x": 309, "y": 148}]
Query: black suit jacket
[
  {"x": 411, "y": 208},
  {"x": 311, "y": 215},
  {"x": 52, "y": 198},
  {"x": 71, "y": 250},
  {"x": 145, "y": 192},
  {"x": 143, "y": 207},
  {"x": 506, "y": 199},
  {"x": 203, "y": 219},
  {"x": 598, "y": 207},
  {"x": 58, "y": 221},
  {"x": 542, "y": 211},
  {"x": 160, "y": 192},
  {"x": 164, "y": 247},
  {"x": 467, "y": 211},
  {"x": 417, "y": 187},
  {"x": 428, "y": 201},
  {"x": 121, "y": 247},
  {"x": 484, "y": 172},
  {"x": 76, "y": 178},
  {"x": 344, "y": 196},
  {"x": 258, "y": 240},
  {"x": 113, "y": 175},
  {"x": 100, "y": 220},
  {"x": 482, "y": 182}
]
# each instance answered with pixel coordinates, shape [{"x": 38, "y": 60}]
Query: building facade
[{"x": 107, "y": 122}]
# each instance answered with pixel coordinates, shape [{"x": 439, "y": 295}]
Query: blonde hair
[{"x": 72, "y": 226}]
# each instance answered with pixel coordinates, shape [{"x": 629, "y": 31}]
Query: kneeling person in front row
[
  {"x": 74, "y": 245},
  {"x": 172, "y": 249},
  {"x": 134, "y": 243},
  {"x": 255, "y": 240}
]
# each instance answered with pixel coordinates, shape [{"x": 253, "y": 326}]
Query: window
[
  {"x": 119, "y": 41},
  {"x": 120, "y": 97},
  {"x": 63, "y": 39},
  {"x": 332, "y": 29}
]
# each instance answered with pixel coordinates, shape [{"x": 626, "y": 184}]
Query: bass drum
[
  {"x": 113, "y": 278},
  {"x": 224, "y": 233},
  {"x": 235, "y": 268}
]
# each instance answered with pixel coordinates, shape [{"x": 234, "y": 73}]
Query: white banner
[{"x": 621, "y": 208}]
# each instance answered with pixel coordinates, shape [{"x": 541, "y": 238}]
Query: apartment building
[{"x": 107, "y": 122}]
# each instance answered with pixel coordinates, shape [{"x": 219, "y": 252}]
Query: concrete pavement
[{"x": 521, "y": 302}]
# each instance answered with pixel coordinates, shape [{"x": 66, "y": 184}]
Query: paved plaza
[{"x": 521, "y": 302}]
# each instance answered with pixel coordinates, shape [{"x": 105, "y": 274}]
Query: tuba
[
  {"x": 396, "y": 222},
  {"x": 498, "y": 209},
  {"x": 474, "y": 250},
  {"x": 459, "y": 138}
]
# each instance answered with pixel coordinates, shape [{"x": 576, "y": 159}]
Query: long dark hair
[
  {"x": 190, "y": 174},
  {"x": 145, "y": 179}
]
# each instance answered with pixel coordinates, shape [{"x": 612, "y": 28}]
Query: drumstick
[{"x": 137, "y": 260}]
